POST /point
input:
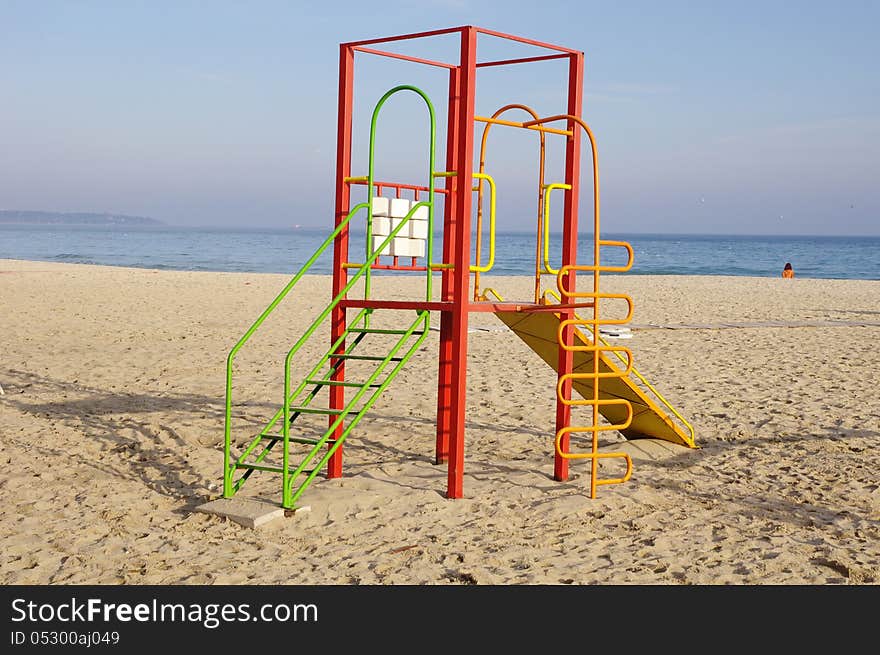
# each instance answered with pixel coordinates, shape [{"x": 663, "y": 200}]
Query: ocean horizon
[{"x": 285, "y": 250}]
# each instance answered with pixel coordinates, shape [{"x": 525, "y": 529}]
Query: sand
[{"x": 111, "y": 433}]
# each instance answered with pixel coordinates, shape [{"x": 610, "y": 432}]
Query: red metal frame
[
  {"x": 454, "y": 304},
  {"x": 569, "y": 248}
]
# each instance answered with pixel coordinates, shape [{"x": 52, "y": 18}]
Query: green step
[
  {"x": 381, "y": 331},
  {"x": 271, "y": 469},
  {"x": 319, "y": 410},
  {"x": 280, "y": 437},
  {"x": 371, "y": 358},
  {"x": 338, "y": 383}
]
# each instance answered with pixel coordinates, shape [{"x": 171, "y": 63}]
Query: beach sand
[{"x": 111, "y": 434}]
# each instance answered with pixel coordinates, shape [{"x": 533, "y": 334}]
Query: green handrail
[{"x": 227, "y": 430}]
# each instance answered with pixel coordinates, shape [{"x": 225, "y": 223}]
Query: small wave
[{"x": 69, "y": 256}]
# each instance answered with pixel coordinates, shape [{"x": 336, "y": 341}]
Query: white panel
[
  {"x": 418, "y": 229},
  {"x": 399, "y": 207},
  {"x": 381, "y": 226},
  {"x": 421, "y": 213},
  {"x": 417, "y": 247},
  {"x": 381, "y": 206},
  {"x": 377, "y": 241},
  {"x": 404, "y": 231},
  {"x": 400, "y": 247},
  {"x": 405, "y": 247}
]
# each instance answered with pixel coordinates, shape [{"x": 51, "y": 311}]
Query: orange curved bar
[
  {"x": 594, "y": 457},
  {"x": 607, "y": 269},
  {"x": 565, "y": 400},
  {"x": 562, "y": 276},
  {"x": 595, "y": 320}
]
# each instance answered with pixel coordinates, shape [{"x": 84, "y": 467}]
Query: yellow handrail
[
  {"x": 547, "y": 189},
  {"x": 487, "y": 267}
]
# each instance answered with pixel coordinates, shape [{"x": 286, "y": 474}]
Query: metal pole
[
  {"x": 569, "y": 247},
  {"x": 461, "y": 273},
  {"x": 340, "y": 250}
]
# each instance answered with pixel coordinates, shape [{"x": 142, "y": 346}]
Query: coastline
[{"x": 112, "y": 430}]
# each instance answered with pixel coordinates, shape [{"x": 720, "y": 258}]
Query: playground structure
[{"x": 400, "y": 220}]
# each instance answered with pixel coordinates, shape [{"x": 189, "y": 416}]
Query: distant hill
[{"x": 72, "y": 218}]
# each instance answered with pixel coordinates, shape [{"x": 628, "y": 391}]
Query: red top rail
[{"x": 359, "y": 45}]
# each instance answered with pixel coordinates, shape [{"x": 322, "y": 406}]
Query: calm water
[{"x": 284, "y": 251}]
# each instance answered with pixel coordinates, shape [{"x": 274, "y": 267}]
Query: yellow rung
[
  {"x": 594, "y": 456},
  {"x": 597, "y": 403},
  {"x": 600, "y": 321},
  {"x": 604, "y": 348},
  {"x": 612, "y": 374},
  {"x": 596, "y": 267}
]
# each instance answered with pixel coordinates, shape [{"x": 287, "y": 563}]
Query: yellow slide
[{"x": 539, "y": 329}]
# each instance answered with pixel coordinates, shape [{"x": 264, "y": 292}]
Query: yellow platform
[{"x": 539, "y": 329}]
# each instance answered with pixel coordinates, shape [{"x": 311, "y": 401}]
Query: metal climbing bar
[
  {"x": 477, "y": 247},
  {"x": 546, "y": 222}
]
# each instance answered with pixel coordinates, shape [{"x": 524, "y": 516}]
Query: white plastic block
[
  {"x": 399, "y": 207},
  {"x": 418, "y": 229},
  {"x": 400, "y": 247},
  {"x": 417, "y": 247},
  {"x": 381, "y": 226},
  {"x": 381, "y": 206},
  {"x": 404, "y": 231},
  {"x": 377, "y": 241},
  {"x": 406, "y": 247},
  {"x": 421, "y": 213}
]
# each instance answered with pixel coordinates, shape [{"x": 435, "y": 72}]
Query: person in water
[{"x": 788, "y": 271}]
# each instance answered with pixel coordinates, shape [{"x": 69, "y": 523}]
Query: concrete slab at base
[{"x": 249, "y": 512}]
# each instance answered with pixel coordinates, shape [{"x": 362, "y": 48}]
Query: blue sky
[{"x": 732, "y": 118}]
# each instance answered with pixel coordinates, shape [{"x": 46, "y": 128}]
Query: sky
[{"x": 712, "y": 118}]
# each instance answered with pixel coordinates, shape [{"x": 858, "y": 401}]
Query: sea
[{"x": 286, "y": 250}]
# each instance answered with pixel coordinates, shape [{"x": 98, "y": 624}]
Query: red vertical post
[
  {"x": 444, "y": 356},
  {"x": 464, "y": 167},
  {"x": 569, "y": 243},
  {"x": 340, "y": 246}
]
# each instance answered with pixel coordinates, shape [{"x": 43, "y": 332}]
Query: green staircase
[
  {"x": 306, "y": 448},
  {"x": 353, "y": 371},
  {"x": 380, "y": 353}
]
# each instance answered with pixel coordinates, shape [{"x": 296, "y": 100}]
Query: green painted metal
[
  {"x": 290, "y": 497},
  {"x": 429, "y": 204},
  {"x": 335, "y": 383},
  {"x": 358, "y": 328},
  {"x": 262, "y": 435},
  {"x": 363, "y": 271},
  {"x": 227, "y": 470}
]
